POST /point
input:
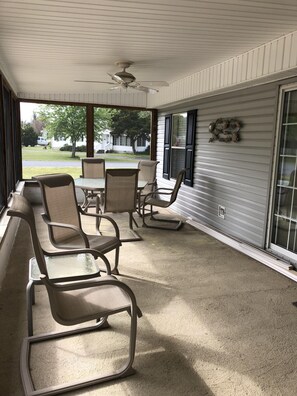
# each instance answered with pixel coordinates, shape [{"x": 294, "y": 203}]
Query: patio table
[{"x": 97, "y": 184}]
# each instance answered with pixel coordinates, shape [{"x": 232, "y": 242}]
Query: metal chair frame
[
  {"x": 153, "y": 200},
  {"x": 59, "y": 294}
]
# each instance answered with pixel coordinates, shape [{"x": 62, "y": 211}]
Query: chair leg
[
  {"x": 98, "y": 220},
  {"x": 177, "y": 223},
  {"x": 30, "y": 300},
  {"x": 136, "y": 236},
  {"x": 115, "y": 270},
  {"x": 27, "y": 381}
]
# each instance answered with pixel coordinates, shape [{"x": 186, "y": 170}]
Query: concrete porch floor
[{"x": 215, "y": 322}]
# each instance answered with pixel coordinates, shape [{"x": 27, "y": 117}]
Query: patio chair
[
  {"x": 92, "y": 168},
  {"x": 63, "y": 217},
  {"x": 65, "y": 265},
  {"x": 120, "y": 196},
  {"x": 147, "y": 172},
  {"x": 154, "y": 199},
  {"x": 73, "y": 303}
]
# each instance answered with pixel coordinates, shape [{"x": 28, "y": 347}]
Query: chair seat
[
  {"x": 158, "y": 202},
  {"x": 104, "y": 244},
  {"x": 68, "y": 266},
  {"x": 82, "y": 305}
]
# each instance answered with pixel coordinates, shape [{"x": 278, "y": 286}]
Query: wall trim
[{"x": 276, "y": 264}]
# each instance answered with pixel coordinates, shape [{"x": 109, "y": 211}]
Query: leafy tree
[
  {"x": 134, "y": 124},
  {"x": 63, "y": 122},
  {"x": 102, "y": 117},
  {"x": 29, "y": 136}
]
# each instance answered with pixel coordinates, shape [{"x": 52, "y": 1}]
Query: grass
[
  {"x": 41, "y": 154},
  {"x": 29, "y": 171},
  {"x": 38, "y": 153}
]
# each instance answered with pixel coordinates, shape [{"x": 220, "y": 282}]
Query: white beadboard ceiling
[{"x": 47, "y": 44}]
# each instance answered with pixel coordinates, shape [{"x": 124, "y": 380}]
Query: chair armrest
[
  {"x": 99, "y": 282},
  {"x": 164, "y": 191},
  {"x": 95, "y": 253},
  {"x": 102, "y": 216},
  {"x": 65, "y": 225}
]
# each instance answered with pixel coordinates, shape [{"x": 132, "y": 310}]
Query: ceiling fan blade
[
  {"x": 96, "y": 82},
  {"x": 144, "y": 89},
  {"x": 155, "y": 83},
  {"x": 116, "y": 78}
]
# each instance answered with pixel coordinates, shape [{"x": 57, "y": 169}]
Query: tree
[
  {"x": 63, "y": 122},
  {"x": 29, "y": 137},
  {"x": 102, "y": 117},
  {"x": 134, "y": 124}
]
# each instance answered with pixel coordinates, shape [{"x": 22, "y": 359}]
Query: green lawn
[
  {"x": 38, "y": 153},
  {"x": 29, "y": 171}
]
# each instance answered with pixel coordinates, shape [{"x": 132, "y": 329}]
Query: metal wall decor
[{"x": 225, "y": 130}]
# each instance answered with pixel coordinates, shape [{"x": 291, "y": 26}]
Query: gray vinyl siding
[{"x": 234, "y": 175}]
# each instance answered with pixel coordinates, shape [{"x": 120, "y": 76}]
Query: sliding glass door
[{"x": 284, "y": 216}]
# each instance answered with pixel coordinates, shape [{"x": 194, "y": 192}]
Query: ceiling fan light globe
[{"x": 125, "y": 76}]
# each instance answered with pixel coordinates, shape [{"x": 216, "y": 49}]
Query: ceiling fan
[{"x": 127, "y": 80}]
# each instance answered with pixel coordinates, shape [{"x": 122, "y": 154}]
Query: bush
[
  {"x": 81, "y": 149},
  {"x": 68, "y": 147}
]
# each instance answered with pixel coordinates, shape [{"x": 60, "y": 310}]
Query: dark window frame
[
  {"x": 10, "y": 142},
  {"x": 189, "y": 147}
]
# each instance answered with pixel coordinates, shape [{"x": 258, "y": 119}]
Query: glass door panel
[{"x": 284, "y": 221}]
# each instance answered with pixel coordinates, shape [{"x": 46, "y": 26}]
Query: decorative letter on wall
[{"x": 225, "y": 130}]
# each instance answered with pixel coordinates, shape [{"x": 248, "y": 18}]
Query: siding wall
[{"x": 234, "y": 175}]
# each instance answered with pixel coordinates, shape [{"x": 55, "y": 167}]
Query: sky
[{"x": 27, "y": 110}]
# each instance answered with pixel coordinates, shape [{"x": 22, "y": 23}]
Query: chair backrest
[
  {"x": 60, "y": 204},
  {"x": 147, "y": 172},
  {"x": 177, "y": 185},
  {"x": 21, "y": 208},
  {"x": 93, "y": 168},
  {"x": 120, "y": 190}
]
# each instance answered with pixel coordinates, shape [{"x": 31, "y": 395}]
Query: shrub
[{"x": 68, "y": 147}]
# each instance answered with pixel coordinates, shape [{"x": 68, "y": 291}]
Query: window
[
  {"x": 141, "y": 142},
  {"x": 179, "y": 142},
  {"x": 121, "y": 141}
]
